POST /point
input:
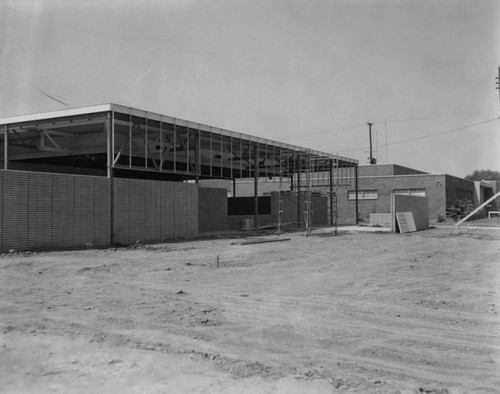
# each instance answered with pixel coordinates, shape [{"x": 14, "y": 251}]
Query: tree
[{"x": 487, "y": 175}]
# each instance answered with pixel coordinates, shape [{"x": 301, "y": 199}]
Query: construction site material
[
  {"x": 418, "y": 206},
  {"x": 259, "y": 241},
  {"x": 406, "y": 222}
]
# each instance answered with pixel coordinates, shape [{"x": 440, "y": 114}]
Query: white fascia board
[{"x": 56, "y": 114}]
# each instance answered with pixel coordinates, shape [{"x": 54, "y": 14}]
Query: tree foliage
[{"x": 487, "y": 175}]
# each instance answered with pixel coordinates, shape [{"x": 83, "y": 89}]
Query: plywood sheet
[{"x": 406, "y": 222}]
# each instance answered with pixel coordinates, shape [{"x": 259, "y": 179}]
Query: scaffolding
[{"x": 315, "y": 176}]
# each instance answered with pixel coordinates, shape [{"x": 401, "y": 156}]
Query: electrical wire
[{"x": 428, "y": 135}]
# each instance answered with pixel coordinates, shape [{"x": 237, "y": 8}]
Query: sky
[{"x": 306, "y": 72}]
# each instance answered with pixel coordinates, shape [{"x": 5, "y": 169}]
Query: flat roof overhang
[{"x": 115, "y": 137}]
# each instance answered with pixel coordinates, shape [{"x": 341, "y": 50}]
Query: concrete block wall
[
  {"x": 50, "y": 211},
  {"x": 146, "y": 210}
]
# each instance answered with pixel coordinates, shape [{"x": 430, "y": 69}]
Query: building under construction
[{"x": 110, "y": 174}]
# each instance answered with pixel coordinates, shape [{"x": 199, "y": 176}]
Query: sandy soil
[{"x": 359, "y": 312}]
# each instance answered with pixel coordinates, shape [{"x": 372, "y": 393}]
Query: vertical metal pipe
[
  {"x": 175, "y": 146},
  {"x": 112, "y": 139},
  {"x": 187, "y": 148},
  {"x": 331, "y": 192},
  {"x": 241, "y": 157},
  {"x": 256, "y": 187},
  {"x": 211, "y": 154},
  {"x": 6, "y": 148},
  {"x": 298, "y": 169},
  {"x": 221, "y": 172},
  {"x": 161, "y": 144},
  {"x": 196, "y": 156},
  {"x": 356, "y": 190},
  {"x": 108, "y": 126},
  {"x": 231, "y": 156},
  {"x": 130, "y": 123},
  {"x": 109, "y": 133},
  {"x": 146, "y": 143},
  {"x": 234, "y": 187}
]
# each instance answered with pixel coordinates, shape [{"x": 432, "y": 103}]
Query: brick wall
[
  {"x": 386, "y": 170},
  {"x": 434, "y": 185},
  {"x": 454, "y": 185}
]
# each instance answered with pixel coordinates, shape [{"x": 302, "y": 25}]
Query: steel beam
[{"x": 6, "y": 148}]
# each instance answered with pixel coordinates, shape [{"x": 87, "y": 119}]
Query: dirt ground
[{"x": 357, "y": 312}]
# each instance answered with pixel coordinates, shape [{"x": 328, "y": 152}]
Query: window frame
[
  {"x": 368, "y": 194},
  {"x": 414, "y": 192}
]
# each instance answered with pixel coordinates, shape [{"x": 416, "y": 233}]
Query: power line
[
  {"x": 472, "y": 113},
  {"x": 428, "y": 135}
]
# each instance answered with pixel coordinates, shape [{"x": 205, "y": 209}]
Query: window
[
  {"x": 363, "y": 194},
  {"x": 410, "y": 192},
  {"x": 463, "y": 194}
]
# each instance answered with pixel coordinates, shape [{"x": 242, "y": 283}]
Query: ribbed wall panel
[
  {"x": 62, "y": 211},
  {"x": 102, "y": 212},
  {"x": 15, "y": 211},
  {"x": 180, "y": 211},
  {"x": 137, "y": 210},
  {"x": 83, "y": 229},
  {"x": 40, "y": 211},
  {"x": 121, "y": 219},
  {"x": 153, "y": 232},
  {"x": 167, "y": 210}
]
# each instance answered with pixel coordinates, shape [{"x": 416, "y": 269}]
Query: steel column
[
  {"x": 298, "y": 189},
  {"x": 256, "y": 187},
  {"x": 356, "y": 191},
  {"x": 331, "y": 192},
  {"x": 110, "y": 130},
  {"x": 6, "y": 148}
]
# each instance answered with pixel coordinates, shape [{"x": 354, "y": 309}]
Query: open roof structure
[{"x": 112, "y": 138}]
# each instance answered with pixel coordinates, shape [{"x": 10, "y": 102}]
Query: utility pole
[
  {"x": 498, "y": 84},
  {"x": 372, "y": 159}
]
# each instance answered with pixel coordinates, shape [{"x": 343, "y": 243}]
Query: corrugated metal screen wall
[{"x": 40, "y": 210}]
